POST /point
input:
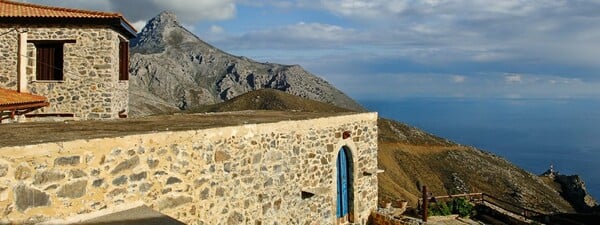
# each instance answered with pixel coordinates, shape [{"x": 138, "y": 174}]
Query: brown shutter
[
  {"x": 123, "y": 60},
  {"x": 49, "y": 62},
  {"x": 44, "y": 59}
]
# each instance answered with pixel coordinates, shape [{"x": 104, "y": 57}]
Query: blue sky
[{"x": 382, "y": 49}]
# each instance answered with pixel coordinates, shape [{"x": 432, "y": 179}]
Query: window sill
[{"x": 46, "y": 81}]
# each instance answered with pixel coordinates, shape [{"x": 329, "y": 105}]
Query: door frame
[{"x": 350, "y": 147}]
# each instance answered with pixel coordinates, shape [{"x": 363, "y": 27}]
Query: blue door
[{"x": 342, "y": 184}]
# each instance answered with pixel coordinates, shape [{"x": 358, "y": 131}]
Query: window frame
[{"x": 49, "y": 61}]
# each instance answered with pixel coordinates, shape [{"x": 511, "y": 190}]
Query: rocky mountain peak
[
  {"x": 162, "y": 20},
  {"x": 151, "y": 38},
  {"x": 165, "y": 17},
  {"x": 173, "y": 69}
]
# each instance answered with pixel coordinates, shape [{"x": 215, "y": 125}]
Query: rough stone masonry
[
  {"x": 273, "y": 173},
  {"x": 90, "y": 89}
]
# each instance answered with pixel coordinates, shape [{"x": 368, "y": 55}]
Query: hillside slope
[
  {"x": 172, "y": 69},
  {"x": 270, "y": 99},
  {"x": 412, "y": 158}
]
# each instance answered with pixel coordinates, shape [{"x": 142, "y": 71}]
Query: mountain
[
  {"x": 172, "y": 69},
  {"x": 412, "y": 158}
]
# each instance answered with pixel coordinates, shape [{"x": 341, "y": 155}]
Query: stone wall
[
  {"x": 250, "y": 174},
  {"x": 382, "y": 218},
  {"x": 90, "y": 89},
  {"x": 8, "y": 58},
  {"x": 377, "y": 218}
]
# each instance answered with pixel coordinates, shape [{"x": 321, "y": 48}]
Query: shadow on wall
[{"x": 142, "y": 215}]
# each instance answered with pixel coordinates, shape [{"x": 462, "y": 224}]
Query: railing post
[
  {"x": 482, "y": 200},
  {"x": 425, "y": 204}
]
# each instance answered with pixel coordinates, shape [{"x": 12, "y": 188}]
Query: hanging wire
[
  {"x": 26, "y": 56},
  {"x": 15, "y": 29},
  {"x": 43, "y": 63}
]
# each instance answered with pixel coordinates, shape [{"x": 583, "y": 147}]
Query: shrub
[
  {"x": 439, "y": 209},
  {"x": 462, "y": 207},
  {"x": 459, "y": 206}
]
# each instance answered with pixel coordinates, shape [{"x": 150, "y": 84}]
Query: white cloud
[
  {"x": 513, "y": 96},
  {"x": 480, "y": 31},
  {"x": 189, "y": 11},
  {"x": 505, "y": 41},
  {"x": 138, "y": 25},
  {"x": 513, "y": 78},
  {"x": 458, "y": 79},
  {"x": 275, "y": 3},
  {"x": 365, "y": 8},
  {"x": 305, "y": 36},
  {"x": 216, "y": 29},
  {"x": 403, "y": 85}
]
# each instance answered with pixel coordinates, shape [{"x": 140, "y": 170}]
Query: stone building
[
  {"x": 76, "y": 59},
  {"x": 255, "y": 167}
]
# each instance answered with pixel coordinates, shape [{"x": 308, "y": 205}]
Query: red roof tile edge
[
  {"x": 16, "y": 98},
  {"x": 100, "y": 14}
]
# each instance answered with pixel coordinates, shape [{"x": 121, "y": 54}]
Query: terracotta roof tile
[
  {"x": 10, "y": 97},
  {"x": 11, "y": 9},
  {"x": 18, "y": 9}
]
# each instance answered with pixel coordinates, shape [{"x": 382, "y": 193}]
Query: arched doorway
[{"x": 344, "y": 186}]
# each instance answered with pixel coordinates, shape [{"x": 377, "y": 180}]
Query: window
[
  {"x": 123, "y": 60},
  {"x": 49, "y": 61}
]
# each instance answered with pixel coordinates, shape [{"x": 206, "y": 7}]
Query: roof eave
[
  {"x": 118, "y": 24},
  {"x": 24, "y": 105},
  {"x": 132, "y": 33}
]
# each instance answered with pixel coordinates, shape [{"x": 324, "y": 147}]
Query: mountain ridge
[{"x": 176, "y": 70}]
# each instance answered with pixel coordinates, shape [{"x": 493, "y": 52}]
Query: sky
[{"x": 382, "y": 49}]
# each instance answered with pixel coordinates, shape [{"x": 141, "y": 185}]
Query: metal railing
[{"x": 505, "y": 208}]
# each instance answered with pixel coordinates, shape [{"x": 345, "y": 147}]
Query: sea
[{"x": 531, "y": 133}]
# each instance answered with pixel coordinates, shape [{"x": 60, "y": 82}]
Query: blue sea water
[{"x": 532, "y": 133}]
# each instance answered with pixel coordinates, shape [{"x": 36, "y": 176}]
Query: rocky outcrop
[
  {"x": 572, "y": 189},
  {"x": 172, "y": 69}
]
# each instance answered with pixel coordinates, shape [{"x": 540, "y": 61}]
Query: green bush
[
  {"x": 459, "y": 206},
  {"x": 439, "y": 209},
  {"x": 462, "y": 207}
]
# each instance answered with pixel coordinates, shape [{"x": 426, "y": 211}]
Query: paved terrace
[{"x": 17, "y": 134}]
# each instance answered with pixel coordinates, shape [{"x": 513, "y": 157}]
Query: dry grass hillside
[
  {"x": 269, "y": 99},
  {"x": 412, "y": 158},
  {"x": 448, "y": 168}
]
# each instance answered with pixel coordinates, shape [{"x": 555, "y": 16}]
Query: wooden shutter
[
  {"x": 49, "y": 62},
  {"x": 123, "y": 60}
]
